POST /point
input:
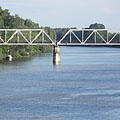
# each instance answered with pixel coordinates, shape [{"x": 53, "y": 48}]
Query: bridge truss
[
  {"x": 90, "y": 37},
  {"x": 25, "y": 37},
  {"x": 72, "y": 37}
]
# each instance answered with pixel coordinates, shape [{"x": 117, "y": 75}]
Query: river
[{"x": 85, "y": 86}]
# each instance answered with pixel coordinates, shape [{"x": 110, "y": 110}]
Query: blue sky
[{"x": 67, "y": 13}]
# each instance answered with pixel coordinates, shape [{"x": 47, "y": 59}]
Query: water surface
[{"x": 86, "y": 86}]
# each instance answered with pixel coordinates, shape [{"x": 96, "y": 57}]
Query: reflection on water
[
  {"x": 56, "y": 64},
  {"x": 85, "y": 86}
]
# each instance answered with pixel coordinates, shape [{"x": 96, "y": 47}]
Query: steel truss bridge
[
  {"x": 25, "y": 37},
  {"x": 82, "y": 37}
]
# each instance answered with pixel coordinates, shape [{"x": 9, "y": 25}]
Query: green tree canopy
[{"x": 97, "y": 26}]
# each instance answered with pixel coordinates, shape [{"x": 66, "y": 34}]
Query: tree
[{"x": 97, "y": 26}]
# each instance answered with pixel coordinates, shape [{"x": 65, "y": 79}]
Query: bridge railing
[{"x": 25, "y": 37}]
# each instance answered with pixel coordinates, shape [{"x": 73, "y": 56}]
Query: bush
[
  {"x": 1, "y": 54},
  {"x": 24, "y": 53},
  {"x": 17, "y": 55}
]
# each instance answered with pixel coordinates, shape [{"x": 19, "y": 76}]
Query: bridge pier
[{"x": 56, "y": 54}]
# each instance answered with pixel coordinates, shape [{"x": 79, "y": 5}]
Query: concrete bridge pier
[{"x": 56, "y": 55}]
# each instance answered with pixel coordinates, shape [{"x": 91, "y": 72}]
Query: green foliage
[
  {"x": 45, "y": 49},
  {"x": 29, "y": 24},
  {"x": 5, "y": 49},
  {"x": 1, "y": 54},
  {"x": 17, "y": 56},
  {"x": 23, "y": 52},
  {"x": 96, "y": 26}
]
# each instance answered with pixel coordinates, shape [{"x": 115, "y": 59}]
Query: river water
[{"x": 86, "y": 86}]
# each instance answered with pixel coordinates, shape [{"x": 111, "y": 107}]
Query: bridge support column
[{"x": 56, "y": 55}]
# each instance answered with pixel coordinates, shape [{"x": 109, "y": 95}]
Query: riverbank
[{"x": 21, "y": 52}]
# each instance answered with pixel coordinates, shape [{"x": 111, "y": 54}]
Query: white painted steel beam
[
  {"x": 101, "y": 37},
  {"x": 76, "y": 36},
  {"x": 90, "y": 44},
  {"x": 84, "y": 40},
  {"x": 27, "y": 43},
  {"x": 89, "y": 37},
  {"x": 113, "y": 37},
  {"x": 29, "y": 39}
]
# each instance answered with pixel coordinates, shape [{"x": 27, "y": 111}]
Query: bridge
[
  {"x": 25, "y": 37},
  {"x": 90, "y": 37},
  {"x": 82, "y": 37},
  {"x": 72, "y": 37}
]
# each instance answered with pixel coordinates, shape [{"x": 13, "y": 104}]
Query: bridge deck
[
  {"x": 27, "y": 43},
  {"x": 89, "y": 44}
]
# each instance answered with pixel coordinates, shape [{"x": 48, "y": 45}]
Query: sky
[{"x": 67, "y": 13}]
